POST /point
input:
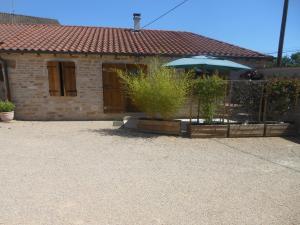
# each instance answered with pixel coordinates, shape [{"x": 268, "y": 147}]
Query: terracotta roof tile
[
  {"x": 22, "y": 19},
  {"x": 104, "y": 40}
]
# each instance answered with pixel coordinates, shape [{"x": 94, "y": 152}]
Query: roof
[
  {"x": 106, "y": 40},
  {"x": 7, "y": 18}
]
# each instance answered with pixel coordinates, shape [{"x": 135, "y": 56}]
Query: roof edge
[{"x": 129, "y": 54}]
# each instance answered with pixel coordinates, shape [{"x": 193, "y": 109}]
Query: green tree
[
  {"x": 288, "y": 61},
  {"x": 296, "y": 58}
]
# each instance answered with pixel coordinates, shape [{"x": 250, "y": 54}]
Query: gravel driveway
[{"x": 90, "y": 173}]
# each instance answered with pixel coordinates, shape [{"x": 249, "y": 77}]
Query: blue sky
[{"x": 253, "y": 24}]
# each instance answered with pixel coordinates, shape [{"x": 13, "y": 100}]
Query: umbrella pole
[
  {"x": 261, "y": 103},
  {"x": 198, "y": 110},
  {"x": 224, "y": 103},
  {"x": 191, "y": 105},
  {"x": 191, "y": 97}
]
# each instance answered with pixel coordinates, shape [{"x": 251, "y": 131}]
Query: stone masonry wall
[{"x": 28, "y": 77}]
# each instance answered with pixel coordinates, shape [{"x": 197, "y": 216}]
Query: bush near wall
[{"x": 282, "y": 97}]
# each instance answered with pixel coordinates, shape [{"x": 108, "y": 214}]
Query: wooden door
[
  {"x": 115, "y": 100},
  {"x": 113, "y": 96},
  {"x": 133, "y": 69}
]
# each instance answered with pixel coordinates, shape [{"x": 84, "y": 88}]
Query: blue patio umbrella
[{"x": 206, "y": 62}]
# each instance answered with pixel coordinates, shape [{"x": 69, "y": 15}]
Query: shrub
[
  {"x": 247, "y": 95},
  {"x": 160, "y": 92},
  {"x": 282, "y": 97},
  {"x": 210, "y": 91},
  {"x": 6, "y": 106}
]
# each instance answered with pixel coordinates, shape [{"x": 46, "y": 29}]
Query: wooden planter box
[
  {"x": 207, "y": 131},
  {"x": 159, "y": 126},
  {"x": 246, "y": 130},
  {"x": 280, "y": 130}
]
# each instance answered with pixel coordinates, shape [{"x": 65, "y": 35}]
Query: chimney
[{"x": 136, "y": 20}]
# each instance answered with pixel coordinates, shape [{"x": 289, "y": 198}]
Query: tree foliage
[
  {"x": 283, "y": 95},
  {"x": 247, "y": 94},
  {"x": 290, "y": 61},
  {"x": 296, "y": 58}
]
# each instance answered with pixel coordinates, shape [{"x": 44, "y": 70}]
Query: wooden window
[{"x": 62, "y": 80}]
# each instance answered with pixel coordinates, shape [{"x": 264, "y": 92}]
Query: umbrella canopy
[{"x": 206, "y": 62}]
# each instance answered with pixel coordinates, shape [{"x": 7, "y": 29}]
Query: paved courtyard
[{"x": 91, "y": 173}]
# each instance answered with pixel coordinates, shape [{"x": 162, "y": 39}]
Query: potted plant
[
  {"x": 283, "y": 96},
  {"x": 159, "y": 93},
  {"x": 210, "y": 91},
  {"x": 6, "y": 111}
]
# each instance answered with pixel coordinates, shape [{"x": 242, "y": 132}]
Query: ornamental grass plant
[
  {"x": 210, "y": 91},
  {"x": 160, "y": 92}
]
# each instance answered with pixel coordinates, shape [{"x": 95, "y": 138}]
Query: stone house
[{"x": 55, "y": 72}]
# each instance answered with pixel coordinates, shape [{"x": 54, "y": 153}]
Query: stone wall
[
  {"x": 283, "y": 72},
  {"x": 28, "y": 77}
]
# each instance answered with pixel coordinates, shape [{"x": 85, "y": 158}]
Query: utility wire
[
  {"x": 166, "y": 13},
  {"x": 12, "y": 6},
  {"x": 286, "y": 51},
  {"x": 12, "y": 11}
]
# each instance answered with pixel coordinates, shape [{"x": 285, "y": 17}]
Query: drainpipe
[{"x": 6, "y": 81}]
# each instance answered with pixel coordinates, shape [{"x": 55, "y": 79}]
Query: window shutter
[
  {"x": 53, "y": 77},
  {"x": 68, "y": 70}
]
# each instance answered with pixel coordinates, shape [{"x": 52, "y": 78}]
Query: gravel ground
[{"x": 61, "y": 173}]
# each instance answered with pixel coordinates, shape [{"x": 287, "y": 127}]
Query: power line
[
  {"x": 12, "y": 6},
  {"x": 286, "y": 51},
  {"x": 166, "y": 13},
  {"x": 12, "y": 11}
]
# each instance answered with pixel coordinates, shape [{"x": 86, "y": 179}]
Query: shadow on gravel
[
  {"x": 122, "y": 132},
  {"x": 293, "y": 139}
]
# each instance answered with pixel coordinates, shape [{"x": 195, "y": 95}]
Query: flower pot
[
  {"x": 280, "y": 129},
  {"x": 172, "y": 127},
  {"x": 7, "y": 116},
  {"x": 207, "y": 131},
  {"x": 246, "y": 130}
]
